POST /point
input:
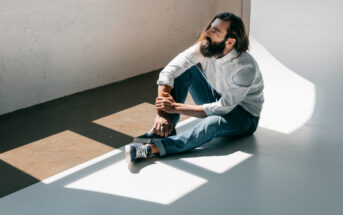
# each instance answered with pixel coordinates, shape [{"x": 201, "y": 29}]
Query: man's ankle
[{"x": 154, "y": 149}]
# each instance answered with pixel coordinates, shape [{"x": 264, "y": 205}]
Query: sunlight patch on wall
[{"x": 289, "y": 98}]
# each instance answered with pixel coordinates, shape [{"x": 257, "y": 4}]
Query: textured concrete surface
[{"x": 50, "y": 49}]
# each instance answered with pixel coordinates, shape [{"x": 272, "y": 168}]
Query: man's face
[{"x": 214, "y": 42}]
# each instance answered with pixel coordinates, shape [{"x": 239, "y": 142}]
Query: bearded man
[{"x": 228, "y": 92}]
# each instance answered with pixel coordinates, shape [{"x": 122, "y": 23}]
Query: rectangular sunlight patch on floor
[
  {"x": 51, "y": 155},
  {"x": 153, "y": 183},
  {"x": 219, "y": 164},
  {"x": 132, "y": 121}
]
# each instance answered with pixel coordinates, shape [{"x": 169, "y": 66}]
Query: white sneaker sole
[{"x": 128, "y": 154}]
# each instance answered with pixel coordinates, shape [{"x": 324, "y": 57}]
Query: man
[{"x": 228, "y": 93}]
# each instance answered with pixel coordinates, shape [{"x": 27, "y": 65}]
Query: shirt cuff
[
  {"x": 207, "y": 109},
  {"x": 164, "y": 82}
]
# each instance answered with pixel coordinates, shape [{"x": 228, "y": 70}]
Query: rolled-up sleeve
[
  {"x": 180, "y": 64},
  {"x": 238, "y": 87}
]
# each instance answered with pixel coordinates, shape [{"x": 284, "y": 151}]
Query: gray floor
[{"x": 298, "y": 173}]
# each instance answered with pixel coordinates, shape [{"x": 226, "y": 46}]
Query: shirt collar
[{"x": 228, "y": 57}]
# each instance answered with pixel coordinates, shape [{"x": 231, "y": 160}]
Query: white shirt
[{"x": 238, "y": 81}]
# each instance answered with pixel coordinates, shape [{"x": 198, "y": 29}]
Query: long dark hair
[{"x": 235, "y": 30}]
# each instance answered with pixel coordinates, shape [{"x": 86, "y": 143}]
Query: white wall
[
  {"x": 49, "y": 48},
  {"x": 306, "y": 37}
]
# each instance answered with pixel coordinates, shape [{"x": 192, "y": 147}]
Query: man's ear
[{"x": 230, "y": 42}]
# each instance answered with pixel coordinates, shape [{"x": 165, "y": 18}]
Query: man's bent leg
[{"x": 193, "y": 81}]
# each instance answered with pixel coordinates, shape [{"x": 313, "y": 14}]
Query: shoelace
[{"x": 141, "y": 152}]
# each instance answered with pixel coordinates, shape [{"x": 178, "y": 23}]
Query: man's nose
[{"x": 207, "y": 33}]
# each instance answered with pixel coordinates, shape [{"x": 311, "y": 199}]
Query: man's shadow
[{"x": 219, "y": 146}]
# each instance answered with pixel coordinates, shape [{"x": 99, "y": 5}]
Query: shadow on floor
[{"x": 13, "y": 179}]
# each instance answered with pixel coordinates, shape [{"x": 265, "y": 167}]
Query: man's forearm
[
  {"x": 186, "y": 109},
  {"x": 161, "y": 89},
  {"x": 190, "y": 110}
]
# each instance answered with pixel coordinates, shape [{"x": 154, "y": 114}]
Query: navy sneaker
[
  {"x": 136, "y": 151},
  {"x": 146, "y": 138}
]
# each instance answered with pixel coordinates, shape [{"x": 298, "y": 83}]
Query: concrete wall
[{"x": 50, "y": 49}]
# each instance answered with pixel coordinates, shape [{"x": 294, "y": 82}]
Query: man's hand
[
  {"x": 163, "y": 125},
  {"x": 165, "y": 103}
]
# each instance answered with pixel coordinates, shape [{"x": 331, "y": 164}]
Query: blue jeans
[{"x": 238, "y": 122}]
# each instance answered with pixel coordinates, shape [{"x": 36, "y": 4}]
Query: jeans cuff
[{"x": 160, "y": 146}]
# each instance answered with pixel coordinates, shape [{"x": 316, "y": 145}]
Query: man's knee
[{"x": 210, "y": 123}]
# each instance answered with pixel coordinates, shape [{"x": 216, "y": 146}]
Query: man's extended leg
[{"x": 236, "y": 123}]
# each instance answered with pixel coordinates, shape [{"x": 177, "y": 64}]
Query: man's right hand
[{"x": 163, "y": 125}]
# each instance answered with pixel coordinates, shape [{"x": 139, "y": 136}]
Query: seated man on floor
[{"x": 228, "y": 92}]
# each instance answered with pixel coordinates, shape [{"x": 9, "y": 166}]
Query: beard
[{"x": 210, "y": 49}]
